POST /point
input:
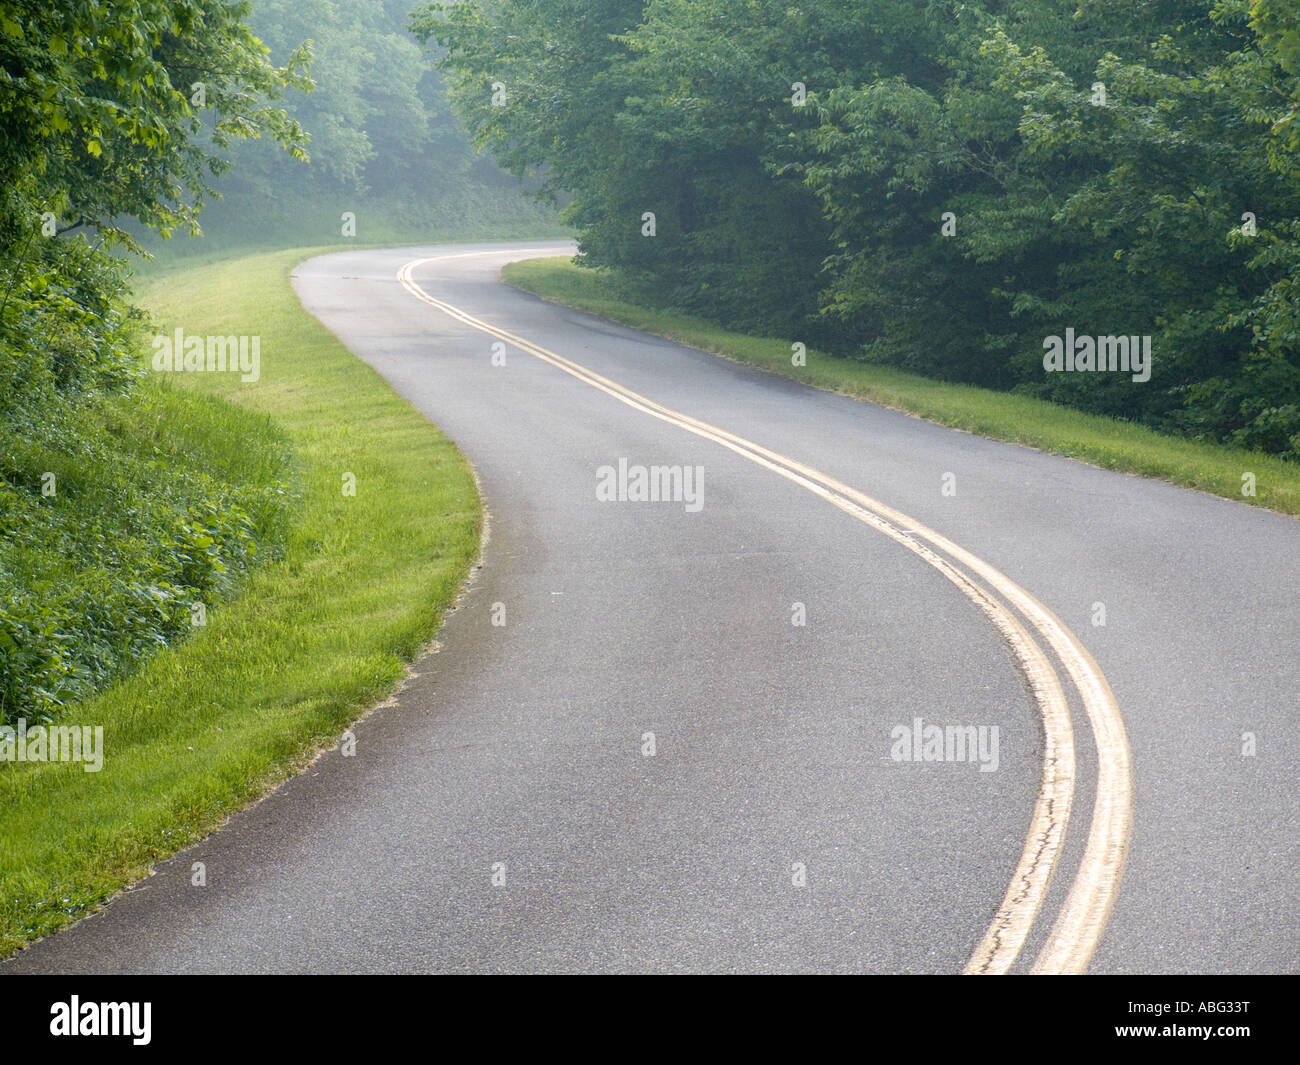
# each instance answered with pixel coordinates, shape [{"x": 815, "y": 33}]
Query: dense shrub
[
  {"x": 146, "y": 520},
  {"x": 118, "y": 509}
]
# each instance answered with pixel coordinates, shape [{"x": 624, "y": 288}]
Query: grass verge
[
  {"x": 278, "y": 672},
  {"x": 1102, "y": 441}
]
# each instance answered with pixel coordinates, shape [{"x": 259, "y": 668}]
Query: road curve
[{"x": 505, "y": 812}]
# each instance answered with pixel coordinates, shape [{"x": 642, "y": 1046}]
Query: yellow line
[{"x": 1083, "y": 918}]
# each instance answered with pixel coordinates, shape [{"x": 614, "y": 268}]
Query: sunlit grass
[{"x": 279, "y": 671}]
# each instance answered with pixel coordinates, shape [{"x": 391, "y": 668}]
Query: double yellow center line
[{"x": 1014, "y": 612}]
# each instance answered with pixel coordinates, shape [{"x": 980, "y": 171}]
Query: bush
[{"x": 120, "y": 512}]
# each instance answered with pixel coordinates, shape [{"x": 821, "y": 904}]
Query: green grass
[
  {"x": 1107, "y": 442},
  {"x": 312, "y": 638},
  {"x": 154, "y": 513}
]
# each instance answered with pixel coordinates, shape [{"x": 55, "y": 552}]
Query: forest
[
  {"x": 939, "y": 186},
  {"x": 171, "y": 129}
]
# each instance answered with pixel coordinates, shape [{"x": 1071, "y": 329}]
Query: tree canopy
[{"x": 939, "y": 185}]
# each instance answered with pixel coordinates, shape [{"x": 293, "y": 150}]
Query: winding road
[{"x": 678, "y": 734}]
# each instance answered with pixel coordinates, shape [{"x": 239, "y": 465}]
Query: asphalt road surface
[{"x": 666, "y": 735}]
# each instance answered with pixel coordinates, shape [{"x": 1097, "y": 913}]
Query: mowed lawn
[{"x": 311, "y": 638}]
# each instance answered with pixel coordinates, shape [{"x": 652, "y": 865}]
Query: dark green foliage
[
  {"x": 1099, "y": 162},
  {"x": 117, "y": 511},
  {"x": 148, "y": 518}
]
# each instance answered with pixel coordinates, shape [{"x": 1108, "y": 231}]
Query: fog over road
[{"x": 505, "y": 813}]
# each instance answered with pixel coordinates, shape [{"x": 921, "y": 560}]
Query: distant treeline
[
  {"x": 384, "y": 145},
  {"x": 943, "y": 186}
]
